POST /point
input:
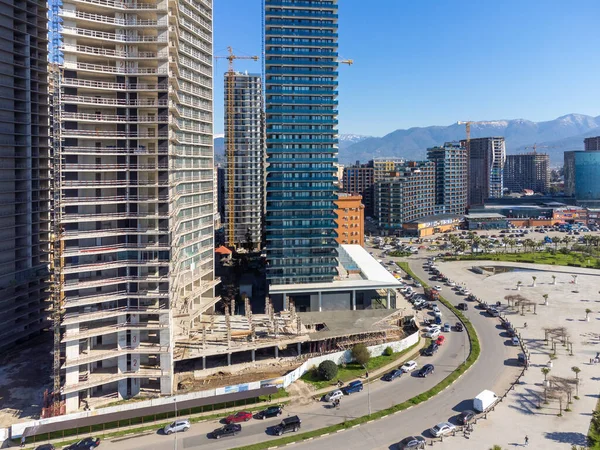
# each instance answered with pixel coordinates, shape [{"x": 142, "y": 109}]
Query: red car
[
  {"x": 242, "y": 416},
  {"x": 440, "y": 340}
]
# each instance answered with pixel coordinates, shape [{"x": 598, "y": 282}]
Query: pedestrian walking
[
  {"x": 526, "y": 441},
  {"x": 23, "y": 439}
]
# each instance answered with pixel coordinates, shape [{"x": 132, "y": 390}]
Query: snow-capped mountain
[{"x": 561, "y": 134}]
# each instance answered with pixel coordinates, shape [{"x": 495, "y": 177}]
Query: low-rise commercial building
[
  {"x": 486, "y": 221},
  {"x": 350, "y": 219},
  {"x": 429, "y": 225}
]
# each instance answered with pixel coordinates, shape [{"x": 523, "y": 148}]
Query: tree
[
  {"x": 496, "y": 447},
  {"x": 361, "y": 354},
  {"x": 248, "y": 243},
  {"x": 553, "y": 279},
  {"x": 576, "y": 371},
  {"x": 588, "y": 311},
  {"x": 328, "y": 370},
  {"x": 545, "y": 299},
  {"x": 534, "y": 278},
  {"x": 389, "y": 351},
  {"x": 545, "y": 371}
]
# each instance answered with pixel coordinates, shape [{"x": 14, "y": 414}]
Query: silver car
[{"x": 177, "y": 426}]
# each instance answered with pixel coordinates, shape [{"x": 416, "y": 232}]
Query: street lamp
[
  {"x": 175, "y": 442},
  {"x": 368, "y": 389}
]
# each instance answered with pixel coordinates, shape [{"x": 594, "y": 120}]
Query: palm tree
[
  {"x": 588, "y": 311},
  {"x": 545, "y": 371},
  {"x": 519, "y": 283},
  {"x": 512, "y": 243},
  {"x": 528, "y": 243},
  {"x": 556, "y": 240},
  {"x": 553, "y": 279},
  {"x": 576, "y": 370},
  {"x": 505, "y": 241},
  {"x": 496, "y": 447},
  {"x": 534, "y": 278},
  {"x": 545, "y": 299},
  {"x": 567, "y": 240}
]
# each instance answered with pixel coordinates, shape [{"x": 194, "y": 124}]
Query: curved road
[{"x": 495, "y": 369}]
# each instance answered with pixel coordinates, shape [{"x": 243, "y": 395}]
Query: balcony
[
  {"x": 114, "y": 69},
  {"x": 113, "y": 199},
  {"x": 105, "y": 352},
  {"x": 76, "y": 82},
  {"x": 111, "y": 36},
  {"x": 313, "y": 33},
  {"x": 295, "y": 62},
  {"x": 87, "y": 300},
  {"x": 82, "y": 99},
  {"x": 133, "y": 22},
  {"x": 291, "y": 111},
  {"x": 300, "y": 4},
  {"x": 274, "y": 21},
  {"x": 316, "y": 140},
  {"x": 294, "y": 71},
  {"x": 317, "y": 14},
  {"x": 105, "y": 376},
  {"x": 307, "y": 121},
  {"x": 112, "y": 134},
  {"x": 87, "y": 332},
  {"x": 96, "y": 51},
  {"x": 124, "y": 4},
  {"x": 99, "y": 314}
]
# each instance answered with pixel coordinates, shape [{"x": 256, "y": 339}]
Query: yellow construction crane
[
  {"x": 467, "y": 124},
  {"x": 346, "y": 61},
  {"x": 535, "y": 147},
  {"x": 230, "y": 145}
]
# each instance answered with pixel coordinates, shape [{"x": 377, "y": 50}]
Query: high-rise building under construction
[{"x": 136, "y": 191}]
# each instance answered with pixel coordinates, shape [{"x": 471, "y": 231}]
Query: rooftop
[
  {"x": 436, "y": 218},
  {"x": 485, "y": 216},
  {"x": 343, "y": 323}
]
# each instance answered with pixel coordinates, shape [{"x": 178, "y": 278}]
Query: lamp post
[
  {"x": 175, "y": 442},
  {"x": 368, "y": 389}
]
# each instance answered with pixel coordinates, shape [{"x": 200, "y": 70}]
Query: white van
[{"x": 484, "y": 401}]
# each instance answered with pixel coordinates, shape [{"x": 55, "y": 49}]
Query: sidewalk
[{"x": 151, "y": 427}]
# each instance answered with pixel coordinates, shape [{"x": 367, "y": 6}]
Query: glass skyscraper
[{"x": 301, "y": 64}]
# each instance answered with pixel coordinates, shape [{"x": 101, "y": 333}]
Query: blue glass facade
[
  {"x": 302, "y": 140},
  {"x": 587, "y": 175}
]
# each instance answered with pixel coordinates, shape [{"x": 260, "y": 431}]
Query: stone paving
[{"x": 520, "y": 415}]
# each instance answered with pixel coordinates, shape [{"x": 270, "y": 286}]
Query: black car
[
  {"x": 46, "y": 447},
  {"x": 458, "y": 326},
  {"x": 412, "y": 443},
  {"x": 425, "y": 370},
  {"x": 85, "y": 444},
  {"x": 465, "y": 417},
  {"x": 463, "y": 306},
  {"x": 429, "y": 351},
  {"x": 230, "y": 429},
  {"x": 287, "y": 425},
  {"x": 271, "y": 411},
  {"x": 391, "y": 376}
]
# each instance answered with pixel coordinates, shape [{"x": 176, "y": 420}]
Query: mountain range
[
  {"x": 553, "y": 137},
  {"x": 561, "y": 134}
]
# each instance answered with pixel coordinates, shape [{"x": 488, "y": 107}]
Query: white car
[
  {"x": 436, "y": 309},
  {"x": 408, "y": 366},
  {"x": 437, "y": 288},
  {"x": 334, "y": 395},
  {"x": 442, "y": 429},
  {"x": 451, "y": 283},
  {"x": 433, "y": 334}
]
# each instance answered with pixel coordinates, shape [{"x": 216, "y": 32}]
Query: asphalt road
[
  {"x": 494, "y": 369},
  {"x": 317, "y": 415}
]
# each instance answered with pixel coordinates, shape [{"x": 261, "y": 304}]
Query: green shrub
[
  {"x": 328, "y": 370},
  {"x": 389, "y": 351},
  {"x": 361, "y": 354}
]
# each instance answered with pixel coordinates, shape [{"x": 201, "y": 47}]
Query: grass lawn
[
  {"x": 352, "y": 371},
  {"x": 558, "y": 259},
  {"x": 594, "y": 433}
]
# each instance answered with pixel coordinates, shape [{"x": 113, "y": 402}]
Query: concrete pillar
[
  {"x": 286, "y": 302},
  {"x": 388, "y": 299},
  {"x": 353, "y": 300},
  {"x": 228, "y": 359},
  {"x": 320, "y": 302},
  {"x": 72, "y": 402},
  {"x": 253, "y": 355},
  {"x": 276, "y": 352},
  {"x": 299, "y": 349},
  {"x": 204, "y": 363}
]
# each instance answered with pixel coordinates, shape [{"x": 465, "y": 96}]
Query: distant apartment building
[
  {"x": 592, "y": 144},
  {"x": 587, "y": 178},
  {"x": 350, "y": 219},
  {"x": 244, "y": 160},
  {"x": 359, "y": 179},
  {"x": 384, "y": 166},
  {"x": 487, "y": 157},
  {"x": 569, "y": 172},
  {"x": 137, "y": 198},
  {"x": 450, "y": 177},
  {"x": 527, "y": 171},
  {"x": 220, "y": 187},
  {"x": 406, "y": 195},
  {"x": 24, "y": 173}
]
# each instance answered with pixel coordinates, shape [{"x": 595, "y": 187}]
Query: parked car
[
  {"x": 85, "y": 444},
  {"x": 442, "y": 429},
  {"x": 463, "y": 306},
  {"x": 412, "y": 443},
  {"x": 435, "y": 308},
  {"x": 355, "y": 386},
  {"x": 458, "y": 326},
  {"x": 45, "y": 447},
  {"x": 493, "y": 312},
  {"x": 177, "y": 426},
  {"x": 440, "y": 340},
  {"x": 334, "y": 395},
  {"x": 425, "y": 370},
  {"x": 447, "y": 327},
  {"x": 515, "y": 341},
  {"x": 242, "y": 416},
  {"x": 465, "y": 417},
  {"x": 271, "y": 411},
  {"x": 408, "y": 366},
  {"x": 228, "y": 430},
  {"x": 429, "y": 351},
  {"x": 437, "y": 288},
  {"x": 287, "y": 425},
  {"x": 392, "y": 375},
  {"x": 433, "y": 334}
]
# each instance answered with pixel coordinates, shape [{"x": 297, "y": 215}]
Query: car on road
[
  {"x": 425, "y": 370},
  {"x": 228, "y": 430},
  {"x": 442, "y": 429},
  {"x": 447, "y": 327},
  {"x": 433, "y": 334},
  {"x": 429, "y": 351},
  {"x": 392, "y": 375},
  {"x": 440, "y": 340},
  {"x": 412, "y": 443},
  {"x": 466, "y": 416},
  {"x": 355, "y": 386},
  {"x": 408, "y": 366},
  {"x": 177, "y": 426},
  {"x": 88, "y": 443},
  {"x": 458, "y": 326},
  {"x": 287, "y": 425},
  {"x": 463, "y": 306},
  {"x": 515, "y": 341},
  {"x": 271, "y": 411},
  {"x": 242, "y": 416},
  {"x": 333, "y": 395},
  {"x": 432, "y": 327}
]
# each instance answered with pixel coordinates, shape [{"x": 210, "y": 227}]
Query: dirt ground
[{"x": 24, "y": 375}]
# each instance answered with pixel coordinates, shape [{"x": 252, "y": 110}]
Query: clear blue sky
[{"x": 433, "y": 62}]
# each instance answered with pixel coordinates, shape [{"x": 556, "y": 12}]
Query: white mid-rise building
[{"x": 136, "y": 199}]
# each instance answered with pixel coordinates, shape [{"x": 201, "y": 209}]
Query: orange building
[{"x": 351, "y": 219}]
